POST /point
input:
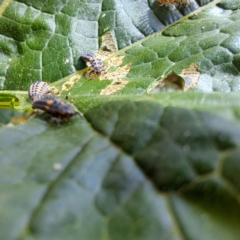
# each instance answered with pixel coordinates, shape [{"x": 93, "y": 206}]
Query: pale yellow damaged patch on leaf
[
  {"x": 191, "y": 72},
  {"x": 187, "y": 79},
  {"x": 113, "y": 70},
  {"x": 4, "y": 5},
  {"x": 113, "y": 87},
  {"x": 66, "y": 83},
  {"x": 107, "y": 46}
]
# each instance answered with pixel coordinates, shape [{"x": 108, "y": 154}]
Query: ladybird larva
[
  {"x": 87, "y": 57},
  {"x": 56, "y": 108},
  {"x": 37, "y": 89},
  {"x": 97, "y": 65},
  {"x": 93, "y": 61}
]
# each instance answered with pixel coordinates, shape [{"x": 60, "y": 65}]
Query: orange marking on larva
[
  {"x": 88, "y": 57},
  {"x": 49, "y": 102},
  {"x": 47, "y": 107}
]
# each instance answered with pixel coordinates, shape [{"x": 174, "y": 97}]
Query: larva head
[
  {"x": 87, "y": 57},
  {"x": 97, "y": 65}
]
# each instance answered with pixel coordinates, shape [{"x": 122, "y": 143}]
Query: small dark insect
[
  {"x": 56, "y": 108},
  {"x": 97, "y": 65},
  {"x": 87, "y": 57},
  {"x": 38, "y": 89},
  {"x": 93, "y": 61}
]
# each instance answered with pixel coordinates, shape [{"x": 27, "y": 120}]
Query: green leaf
[
  {"x": 139, "y": 170},
  {"x": 44, "y": 40},
  {"x": 138, "y": 165}
]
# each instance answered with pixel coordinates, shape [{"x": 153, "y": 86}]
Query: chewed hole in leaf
[{"x": 187, "y": 79}]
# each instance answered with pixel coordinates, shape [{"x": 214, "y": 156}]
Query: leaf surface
[
  {"x": 138, "y": 165},
  {"x": 135, "y": 162}
]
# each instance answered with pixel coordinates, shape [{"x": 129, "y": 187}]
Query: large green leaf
[
  {"x": 139, "y": 170},
  {"x": 138, "y": 165},
  {"x": 43, "y": 40}
]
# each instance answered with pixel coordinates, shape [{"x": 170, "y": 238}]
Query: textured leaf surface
[
  {"x": 210, "y": 40},
  {"x": 139, "y": 170},
  {"x": 43, "y": 40},
  {"x": 138, "y": 166}
]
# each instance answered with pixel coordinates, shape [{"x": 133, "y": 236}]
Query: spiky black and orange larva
[
  {"x": 38, "y": 89},
  {"x": 94, "y": 62},
  {"x": 58, "y": 109}
]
